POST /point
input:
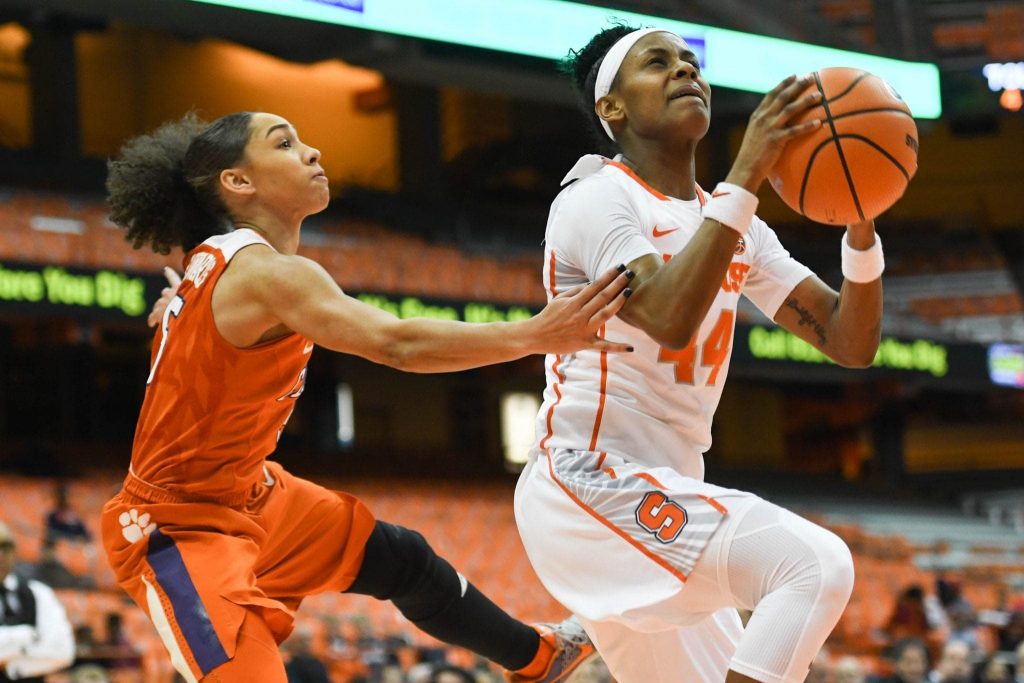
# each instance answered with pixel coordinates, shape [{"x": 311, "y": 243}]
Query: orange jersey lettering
[{"x": 734, "y": 277}]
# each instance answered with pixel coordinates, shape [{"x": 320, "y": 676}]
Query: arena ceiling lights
[{"x": 548, "y": 28}]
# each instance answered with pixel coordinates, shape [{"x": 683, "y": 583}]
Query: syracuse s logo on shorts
[{"x": 660, "y": 516}]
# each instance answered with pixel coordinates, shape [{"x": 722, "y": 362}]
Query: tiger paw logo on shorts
[{"x": 135, "y": 527}]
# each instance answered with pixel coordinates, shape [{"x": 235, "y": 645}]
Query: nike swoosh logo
[
  {"x": 662, "y": 233},
  {"x": 720, "y": 194}
]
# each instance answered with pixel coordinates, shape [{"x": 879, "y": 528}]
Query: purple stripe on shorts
[{"x": 190, "y": 613}]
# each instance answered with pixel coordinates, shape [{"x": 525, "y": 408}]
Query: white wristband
[
  {"x": 863, "y": 265},
  {"x": 732, "y": 206}
]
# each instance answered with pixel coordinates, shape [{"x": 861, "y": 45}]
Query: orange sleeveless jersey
[{"x": 212, "y": 411}]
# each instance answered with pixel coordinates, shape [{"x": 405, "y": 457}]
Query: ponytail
[{"x": 163, "y": 188}]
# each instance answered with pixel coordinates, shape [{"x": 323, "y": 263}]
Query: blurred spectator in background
[
  {"x": 420, "y": 673},
  {"x": 948, "y": 590},
  {"x": 849, "y": 670},
  {"x": 51, "y": 571},
  {"x": 90, "y": 673},
  {"x": 909, "y": 662},
  {"x": 593, "y": 671},
  {"x": 118, "y": 648},
  {"x": 821, "y": 668},
  {"x": 1011, "y": 636},
  {"x": 993, "y": 670},
  {"x": 85, "y": 641},
  {"x": 954, "y": 664},
  {"x": 343, "y": 660},
  {"x": 374, "y": 652},
  {"x": 447, "y": 673},
  {"x": 303, "y": 666},
  {"x": 1019, "y": 666},
  {"x": 909, "y": 618},
  {"x": 483, "y": 672},
  {"x": 62, "y": 522},
  {"x": 392, "y": 673},
  {"x": 35, "y": 636},
  {"x": 963, "y": 624}
]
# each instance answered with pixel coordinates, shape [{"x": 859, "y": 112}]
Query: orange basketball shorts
[{"x": 197, "y": 567}]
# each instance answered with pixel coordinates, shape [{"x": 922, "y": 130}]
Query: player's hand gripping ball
[{"x": 859, "y": 162}]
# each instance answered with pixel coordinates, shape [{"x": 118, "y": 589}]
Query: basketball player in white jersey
[{"x": 612, "y": 505}]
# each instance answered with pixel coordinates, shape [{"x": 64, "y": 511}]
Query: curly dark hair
[
  {"x": 582, "y": 67},
  {"x": 162, "y": 189}
]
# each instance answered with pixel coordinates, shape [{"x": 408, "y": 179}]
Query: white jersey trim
[{"x": 231, "y": 243}]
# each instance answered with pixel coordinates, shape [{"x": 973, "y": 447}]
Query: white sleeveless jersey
[{"x": 653, "y": 406}]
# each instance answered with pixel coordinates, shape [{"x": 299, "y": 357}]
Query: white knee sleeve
[{"x": 797, "y": 577}]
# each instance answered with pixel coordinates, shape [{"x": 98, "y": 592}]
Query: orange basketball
[{"x": 861, "y": 159}]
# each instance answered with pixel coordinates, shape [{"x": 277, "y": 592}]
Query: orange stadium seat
[
  {"x": 960, "y": 35},
  {"x": 844, "y": 10},
  {"x": 472, "y": 525},
  {"x": 359, "y": 255}
]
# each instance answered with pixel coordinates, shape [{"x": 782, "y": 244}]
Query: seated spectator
[
  {"x": 303, "y": 666},
  {"x": 909, "y": 617},
  {"x": 51, "y": 571},
  {"x": 948, "y": 590},
  {"x": 85, "y": 641},
  {"x": 447, "y": 673},
  {"x": 849, "y": 670},
  {"x": 420, "y": 673},
  {"x": 374, "y": 652},
  {"x": 89, "y": 673},
  {"x": 343, "y": 656},
  {"x": 119, "y": 651},
  {"x": 62, "y": 522},
  {"x": 954, "y": 664},
  {"x": 910, "y": 662},
  {"x": 392, "y": 673},
  {"x": 821, "y": 668},
  {"x": 963, "y": 624},
  {"x": 993, "y": 670},
  {"x": 595, "y": 671},
  {"x": 1011, "y": 636},
  {"x": 35, "y": 636}
]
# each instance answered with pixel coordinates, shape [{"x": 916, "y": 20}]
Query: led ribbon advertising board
[
  {"x": 76, "y": 292},
  {"x": 58, "y": 291},
  {"x": 549, "y": 28}
]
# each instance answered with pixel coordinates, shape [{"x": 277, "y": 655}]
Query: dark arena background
[{"x": 445, "y": 129}]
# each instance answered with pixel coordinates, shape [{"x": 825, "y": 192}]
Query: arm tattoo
[{"x": 807, "y": 319}]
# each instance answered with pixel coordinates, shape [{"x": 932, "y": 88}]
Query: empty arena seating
[
  {"x": 963, "y": 290},
  {"x": 472, "y": 525},
  {"x": 43, "y": 228}
]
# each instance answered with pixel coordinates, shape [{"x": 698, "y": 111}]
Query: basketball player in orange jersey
[
  {"x": 217, "y": 544},
  {"x": 612, "y": 505}
]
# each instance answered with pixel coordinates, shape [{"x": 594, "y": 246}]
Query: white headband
[{"x": 613, "y": 62}]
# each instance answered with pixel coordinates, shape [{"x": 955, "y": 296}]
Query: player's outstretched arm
[
  {"x": 846, "y": 325},
  {"x": 300, "y": 294}
]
